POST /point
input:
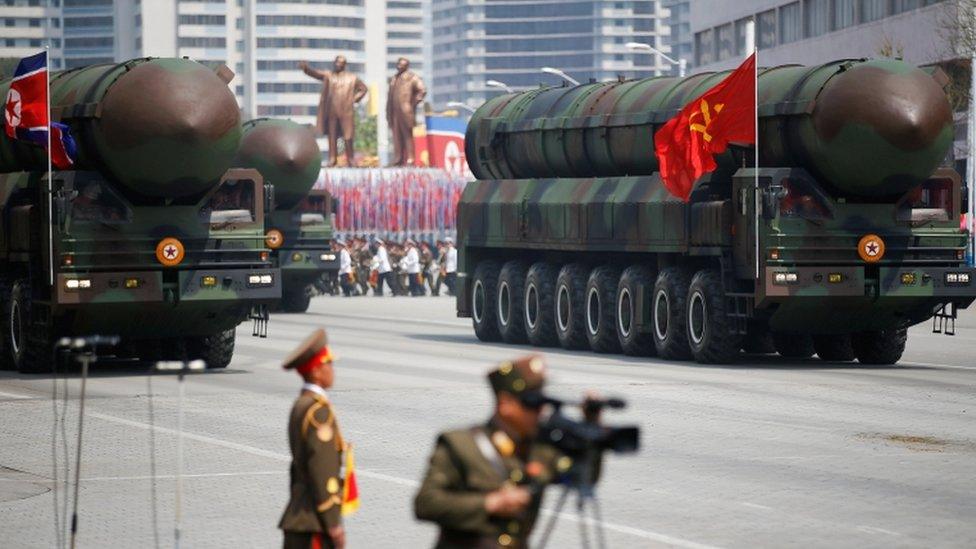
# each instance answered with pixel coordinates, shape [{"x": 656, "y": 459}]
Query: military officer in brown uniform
[
  {"x": 341, "y": 90},
  {"x": 313, "y": 517},
  {"x": 477, "y": 486},
  {"x": 406, "y": 91}
]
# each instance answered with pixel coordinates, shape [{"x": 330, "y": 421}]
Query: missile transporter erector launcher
[
  {"x": 299, "y": 226},
  {"x": 151, "y": 237},
  {"x": 846, "y": 234}
]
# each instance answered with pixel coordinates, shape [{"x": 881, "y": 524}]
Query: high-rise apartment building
[
  {"x": 26, "y": 26},
  {"x": 680, "y": 39},
  {"x": 479, "y": 40}
]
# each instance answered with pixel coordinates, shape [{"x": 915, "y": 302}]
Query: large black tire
[
  {"x": 635, "y": 281},
  {"x": 601, "y": 309},
  {"x": 540, "y": 304},
  {"x": 29, "y": 343},
  {"x": 793, "y": 345},
  {"x": 710, "y": 332},
  {"x": 510, "y": 301},
  {"x": 758, "y": 339},
  {"x": 295, "y": 299},
  {"x": 570, "y": 306},
  {"x": 6, "y": 360},
  {"x": 216, "y": 350},
  {"x": 484, "y": 293},
  {"x": 669, "y": 314},
  {"x": 884, "y": 347},
  {"x": 834, "y": 348}
]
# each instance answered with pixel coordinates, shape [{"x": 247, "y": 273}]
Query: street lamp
[
  {"x": 502, "y": 85},
  {"x": 459, "y": 105},
  {"x": 681, "y": 63},
  {"x": 560, "y": 74}
]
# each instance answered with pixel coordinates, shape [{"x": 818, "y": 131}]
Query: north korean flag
[{"x": 26, "y": 112}]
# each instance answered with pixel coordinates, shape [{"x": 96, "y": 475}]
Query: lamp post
[
  {"x": 560, "y": 74},
  {"x": 681, "y": 63},
  {"x": 459, "y": 105},
  {"x": 502, "y": 85}
]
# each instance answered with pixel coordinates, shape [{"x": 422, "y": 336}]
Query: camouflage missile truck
[
  {"x": 151, "y": 237},
  {"x": 299, "y": 227},
  {"x": 846, "y": 234}
]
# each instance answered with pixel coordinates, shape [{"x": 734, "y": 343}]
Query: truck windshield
[
  {"x": 232, "y": 203},
  {"x": 96, "y": 202},
  {"x": 308, "y": 219},
  {"x": 930, "y": 201},
  {"x": 804, "y": 200}
]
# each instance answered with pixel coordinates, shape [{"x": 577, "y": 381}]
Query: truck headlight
[
  {"x": 961, "y": 279},
  {"x": 260, "y": 280},
  {"x": 785, "y": 278},
  {"x": 78, "y": 284},
  {"x": 327, "y": 257}
]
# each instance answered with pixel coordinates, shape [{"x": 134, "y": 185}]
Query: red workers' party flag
[{"x": 686, "y": 144}]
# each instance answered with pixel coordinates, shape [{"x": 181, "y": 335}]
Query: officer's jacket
[
  {"x": 462, "y": 471},
  {"x": 316, "y": 449}
]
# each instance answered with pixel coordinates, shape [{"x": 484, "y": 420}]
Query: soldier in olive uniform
[
  {"x": 484, "y": 484},
  {"x": 313, "y": 517}
]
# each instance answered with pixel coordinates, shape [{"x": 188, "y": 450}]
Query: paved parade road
[{"x": 764, "y": 453}]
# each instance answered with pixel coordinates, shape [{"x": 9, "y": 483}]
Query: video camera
[{"x": 577, "y": 438}]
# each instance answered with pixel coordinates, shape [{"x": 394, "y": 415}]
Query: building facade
[
  {"x": 680, "y": 38},
  {"x": 814, "y": 31},
  {"x": 475, "y": 41},
  {"x": 26, "y": 26}
]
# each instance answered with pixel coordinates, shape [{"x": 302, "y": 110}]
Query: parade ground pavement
[{"x": 764, "y": 453}]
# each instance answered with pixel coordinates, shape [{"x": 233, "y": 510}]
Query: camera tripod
[{"x": 582, "y": 481}]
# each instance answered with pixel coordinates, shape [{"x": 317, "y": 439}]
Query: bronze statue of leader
[
  {"x": 406, "y": 92},
  {"x": 341, "y": 90}
]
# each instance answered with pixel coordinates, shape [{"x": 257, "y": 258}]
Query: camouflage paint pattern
[
  {"x": 161, "y": 128},
  {"x": 825, "y": 119}
]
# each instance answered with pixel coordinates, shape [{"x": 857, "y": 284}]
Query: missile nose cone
[
  {"x": 285, "y": 153},
  {"x": 908, "y": 109}
]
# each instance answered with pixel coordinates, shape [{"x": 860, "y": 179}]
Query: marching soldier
[
  {"x": 313, "y": 517},
  {"x": 479, "y": 484}
]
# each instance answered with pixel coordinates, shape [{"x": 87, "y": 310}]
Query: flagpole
[
  {"x": 751, "y": 46},
  {"x": 50, "y": 172}
]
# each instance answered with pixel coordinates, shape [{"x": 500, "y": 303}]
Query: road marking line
[
  {"x": 196, "y": 475},
  {"x": 637, "y": 532},
  {"x": 15, "y": 396},
  {"x": 876, "y": 530},
  {"x": 756, "y": 505}
]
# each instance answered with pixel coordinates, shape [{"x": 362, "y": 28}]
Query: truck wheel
[
  {"x": 295, "y": 299},
  {"x": 539, "y": 307},
  {"x": 793, "y": 345},
  {"x": 570, "y": 306},
  {"x": 601, "y": 309},
  {"x": 484, "y": 292},
  {"x": 834, "y": 348},
  {"x": 632, "y": 341},
  {"x": 710, "y": 333},
  {"x": 216, "y": 350},
  {"x": 6, "y": 360},
  {"x": 669, "y": 314},
  {"x": 511, "y": 284},
  {"x": 30, "y": 345},
  {"x": 884, "y": 347}
]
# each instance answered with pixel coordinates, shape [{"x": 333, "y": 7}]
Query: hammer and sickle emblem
[{"x": 705, "y": 112}]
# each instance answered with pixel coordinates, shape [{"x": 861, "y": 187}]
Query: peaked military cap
[
  {"x": 520, "y": 377},
  {"x": 307, "y": 350}
]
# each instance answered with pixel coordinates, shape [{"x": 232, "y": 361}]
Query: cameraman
[{"x": 484, "y": 484}]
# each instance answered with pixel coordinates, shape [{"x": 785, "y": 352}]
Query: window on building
[
  {"x": 816, "y": 17},
  {"x": 789, "y": 23},
  {"x": 871, "y": 10},
  {"x": 740, "y": 36},
  {"x": 723, "y": 37},
  {"x": 899, "y": 6},
  {"x": 843, "y": 15},
  {"x": 766, "y": 29},
  {"x": 704, "y": 47}
]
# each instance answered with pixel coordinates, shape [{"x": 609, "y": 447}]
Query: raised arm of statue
[
  {"x": 314, "y": 73},
  {"x": 361, "y": 90}
]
